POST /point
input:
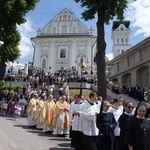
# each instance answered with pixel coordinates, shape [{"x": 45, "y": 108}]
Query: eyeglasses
[
  {"x": 107, "y": 105},
  {"x": 130, "y": 107}
]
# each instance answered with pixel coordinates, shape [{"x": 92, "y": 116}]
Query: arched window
[
  {"x": 126, "y": 40},
  {"x": 117, "y": 41},
  {"x": 64, "y": 18},
  {"x": 54, "y": 30},
  {"x": 74, "y": 29},
  {"x": 44, "y": 63},
  {"x": 122, "y": 41},
  {"x": 60, "y": 18},
  {"x": 64, "y": 29},
  {"x": 118, "y": 52},
  {"x": 68, "y": 17}
]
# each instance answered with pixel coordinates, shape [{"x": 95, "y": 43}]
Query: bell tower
[{"x": 121, "y": 37}]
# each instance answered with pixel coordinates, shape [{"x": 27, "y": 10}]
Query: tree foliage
[
  {"x": 12, "y": 13},
  {"x": 105, "y": 10}
]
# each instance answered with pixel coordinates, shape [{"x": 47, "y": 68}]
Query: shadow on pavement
[
  {"x": 60, "y": 139},
  {"x": 54, "y": 148},
  {"x": 26, "y": 127}
]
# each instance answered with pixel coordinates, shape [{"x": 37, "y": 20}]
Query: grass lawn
[{"x": 85, "y": 92}]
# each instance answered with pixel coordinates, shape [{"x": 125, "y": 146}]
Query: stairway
[{"x": 56, "y": 91}]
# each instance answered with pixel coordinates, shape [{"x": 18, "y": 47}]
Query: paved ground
[{"x": 16, "y": 135}]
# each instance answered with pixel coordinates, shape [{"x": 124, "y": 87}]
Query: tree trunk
[
  {"x": 2, "y": 69},
  {"x": 100, "y": 56}
]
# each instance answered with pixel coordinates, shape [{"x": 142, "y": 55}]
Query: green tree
[
  {"x": 12, "y": 13},
  {"x": 105, "y": 10}
]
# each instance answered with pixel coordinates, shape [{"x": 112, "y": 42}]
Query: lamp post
[
  {"x": 11, "y": 71},
  {"x": 81, "y": 59},
  {"x": 92, "y": 60}
]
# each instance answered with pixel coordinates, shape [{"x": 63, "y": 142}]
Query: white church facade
[{"x": 61, "y": 42}]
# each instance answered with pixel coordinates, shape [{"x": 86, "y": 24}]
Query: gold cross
[{"x": 144, "y": 130}]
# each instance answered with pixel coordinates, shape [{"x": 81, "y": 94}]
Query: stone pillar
[
  {"x": 149, "y": 72},
  {"x": 90, "y": 42},
  {"x": 119, "y": 80},
  {"x": 133, "y": 77},
  {"x": 52, "y": 57},
  {"x": 73, "y": 53},
  {"x": 37, "y": 55}
]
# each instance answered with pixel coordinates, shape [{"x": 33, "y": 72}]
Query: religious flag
[
  {"x": 6, "y": 63},
  {"x": 85, "y": 64},
  {"x": 82, "y": 66}
]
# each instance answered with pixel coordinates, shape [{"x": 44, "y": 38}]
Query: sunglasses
[{"x": 130, "y": 107}]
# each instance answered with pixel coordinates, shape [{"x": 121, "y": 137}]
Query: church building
[
  {"x": 63, "y": 43},
  {"x": 130, "y": 65},
  {"x": 121, "y": 37}
]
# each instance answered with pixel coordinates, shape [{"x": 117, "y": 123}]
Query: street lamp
[
  {"x": 92, "y": 57},
  {"x": 11, "y": 73},
  {"x": 82, "y": 60}
]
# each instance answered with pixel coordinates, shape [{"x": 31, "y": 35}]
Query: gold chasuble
[
  {"x": 48, "y": 112},
  {"x": 31, "y": 105},
  {"x": 61, "y": 111},
  {"x": 39, "y": 108}
]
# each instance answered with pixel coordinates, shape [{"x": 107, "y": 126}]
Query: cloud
[
  {"x": 109, "y": 56},
  {"x": 138, "y": 14},
  {"x": 27, "y": 31},
  {"x": 15, "y": 66}
]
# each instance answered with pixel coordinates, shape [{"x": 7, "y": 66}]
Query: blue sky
[{"x": 137, "y": 13}]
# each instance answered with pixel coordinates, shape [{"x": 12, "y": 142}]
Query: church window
[
  {"x": 68, "y": 17},
  {"x": 60, "y": 18},
  {"x": 54, "y": 30},
  {"x": 74, "y": 29},
  {"x": 63, "y": 53},
  {"x": 64, "y": 29},
  {"x": 122, "y": 51},
  {"x": 64, "y": 18},
  {"x": 122, "y": 41},
  {"x": 118, "y": 52},
  {"x": 117, "y": 41},
  {"x": 121, "y": 29},
  {"x": 44, "y": 63},
  {"x": 126, "y": 40}
]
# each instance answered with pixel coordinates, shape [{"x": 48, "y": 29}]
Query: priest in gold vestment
[
  {"x": 37, "y": 116},
  {"x": 31, "y": 109},
  {"x": 62, "y": 117},
  {"x": 47, "y": 115}
]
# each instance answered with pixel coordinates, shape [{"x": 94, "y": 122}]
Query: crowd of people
[
  {"x": 36, "y": 79},
  {"x": 135, "y": 92},
  {"x": 91, "y": 124}
]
